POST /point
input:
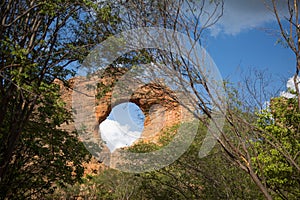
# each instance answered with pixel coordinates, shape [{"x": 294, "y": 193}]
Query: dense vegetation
[
  {"x": 214, "y": 177},
  {"x": 258, "y": 151},
  {"x": 39, "y": 39}
]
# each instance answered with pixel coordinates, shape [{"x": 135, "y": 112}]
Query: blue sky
[
  {"x": 250, "y": 49},
  {"x": 123, "y": 126},
  {"x": 243, "y": 38}
]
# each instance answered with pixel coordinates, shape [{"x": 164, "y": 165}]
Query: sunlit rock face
[{"x": 156, "y": 101}]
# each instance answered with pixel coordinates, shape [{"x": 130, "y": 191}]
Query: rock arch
[{"x": 157, "y": 102}]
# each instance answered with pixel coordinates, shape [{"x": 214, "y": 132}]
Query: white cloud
[
  {"x": 290, "y": 85},
  {"x": 240, "y": 15},
  {"x": 116, "y": 135}
]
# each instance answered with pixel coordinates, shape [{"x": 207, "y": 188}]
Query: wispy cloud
[{"x": 242, "y": 15}]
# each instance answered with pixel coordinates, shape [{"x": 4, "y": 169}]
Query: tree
[
  {"x": 192, "y": 18},
  {"x": 214, "y": 177},
  {"x": 39, "y": 41},
  {"x": 236, "y": 139},
  {"x": 289, "y": 29},
  {"x": 280, "y": 125},
  {"x": 45, "y": 156}
]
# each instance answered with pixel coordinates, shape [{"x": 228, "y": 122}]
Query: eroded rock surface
[{"x": 157, "y": 102}]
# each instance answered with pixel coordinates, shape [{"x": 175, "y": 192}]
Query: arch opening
[{"x": 123, "y": 126}]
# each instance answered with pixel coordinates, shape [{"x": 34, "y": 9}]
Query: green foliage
[
  {"x": 279, "y": 144},
  {"x": 44, "y": 154},
  {"x": 164, "y": 139},
  {"x": 39, "y": 41},
  {"x": 108, "y": 184},
  {"x": 213, "y": 177}
]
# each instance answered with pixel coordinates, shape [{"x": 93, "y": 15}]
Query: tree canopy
[{"x": 40, "y": 40}]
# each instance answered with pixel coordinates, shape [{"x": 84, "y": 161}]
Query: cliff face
[{"x": 157, "y": 102}]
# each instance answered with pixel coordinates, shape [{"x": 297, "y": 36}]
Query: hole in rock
[{"x": 123, "y": 126}]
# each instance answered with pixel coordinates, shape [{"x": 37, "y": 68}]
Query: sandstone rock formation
[{"x": 157, "y": 102}]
